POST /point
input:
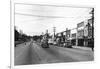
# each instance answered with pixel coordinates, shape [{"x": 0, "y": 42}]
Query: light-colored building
[{"x": 80, "y": 34}]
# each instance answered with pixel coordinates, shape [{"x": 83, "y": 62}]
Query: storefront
[
  {"x": 73, "y": 42},
  {"x": 81, "y": 42}
]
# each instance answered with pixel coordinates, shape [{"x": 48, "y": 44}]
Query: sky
[{"x": 35, "y": 19}]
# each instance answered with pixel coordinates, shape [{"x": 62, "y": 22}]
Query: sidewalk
[{"x": 80, "y": 47}]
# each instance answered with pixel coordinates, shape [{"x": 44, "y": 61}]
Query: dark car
[
  {"x": 44, "y": 44},
  {"x": 68, "y": 44}
]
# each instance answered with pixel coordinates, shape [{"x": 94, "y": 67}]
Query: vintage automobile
[
  {"x": 44, "y": 43},
  {"x": 68, "y": 44}
]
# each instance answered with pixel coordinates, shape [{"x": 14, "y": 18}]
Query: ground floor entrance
[{"x": 80, "y": 42}]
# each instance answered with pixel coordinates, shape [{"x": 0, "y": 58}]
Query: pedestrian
[
  {"x": 58, "y": 41},
  {"x": 25, "y": 43},
  {"x": 92, "y": 46}
]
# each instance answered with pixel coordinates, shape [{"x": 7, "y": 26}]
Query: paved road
[{"x": 33, "y": 53}]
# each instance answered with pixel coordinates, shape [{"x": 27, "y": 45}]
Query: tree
[{"x": 17, "y": 34}]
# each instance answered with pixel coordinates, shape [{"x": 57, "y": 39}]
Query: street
[{"x": 32, "y": 53}]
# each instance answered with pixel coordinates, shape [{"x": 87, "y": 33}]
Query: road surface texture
[{"x": 32, "y": 53}]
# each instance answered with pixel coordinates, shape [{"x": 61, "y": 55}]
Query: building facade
[{"x": 80, "y": 34}]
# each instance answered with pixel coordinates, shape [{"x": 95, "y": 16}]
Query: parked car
[{"x": 68, "y": 44}]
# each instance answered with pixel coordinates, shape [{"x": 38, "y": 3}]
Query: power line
[
  {"x": 39, "y": 15},
  {"x": 72, "y": 6},
  {"x": 49, "y": 16}
]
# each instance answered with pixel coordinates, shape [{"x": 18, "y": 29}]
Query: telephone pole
[
  {"x": 54, "y": 30},
  {"x": 92, "y": 12}
]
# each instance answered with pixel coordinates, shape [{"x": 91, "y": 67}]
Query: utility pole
[
  {"x": 54, "y": 30},
  {"x": 46, "y": 33},
  {"x": 92, "y": 39},
  {"x": 66, "y": 32},
  {"x": 92, "y": 12},
  {"x": 77, "y": 36}
]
